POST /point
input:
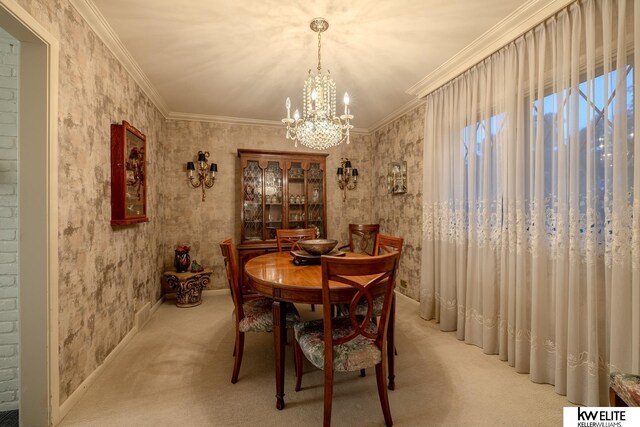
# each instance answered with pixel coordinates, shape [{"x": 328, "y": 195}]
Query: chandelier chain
[{"x": 319, "y": 46}]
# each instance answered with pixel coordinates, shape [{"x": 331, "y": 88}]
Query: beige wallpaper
[
  {"x": 401, "y": 214},
  {"x": 203, "y": 225},
  {"x": 106, "y": 273}
]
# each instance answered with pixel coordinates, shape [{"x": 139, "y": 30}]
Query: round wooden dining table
[{"x": 274, "y": 275}]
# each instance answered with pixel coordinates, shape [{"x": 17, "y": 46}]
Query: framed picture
[
  {"x": 397, "y": 178},
  {"x": 128, "y": 175}
]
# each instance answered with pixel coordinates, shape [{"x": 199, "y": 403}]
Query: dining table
[{"x": 274, "y": 275}]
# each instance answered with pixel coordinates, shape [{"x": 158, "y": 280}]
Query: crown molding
[
  {"x": 514, "y": 25},
  {"x": 101, "y": 27},
  {"x": 195, "y": 117},
  {"x": 396, "y": 114}
]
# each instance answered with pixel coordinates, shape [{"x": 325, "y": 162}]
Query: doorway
[{"x": 36, "y": 215}]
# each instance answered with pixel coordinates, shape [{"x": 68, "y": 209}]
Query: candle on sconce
[
  {"x": 347, "y": 177},
  {"x": 206, "y": 176},
  {"x": 288, "y": 105},
  {"x": 346, "y": 103}
]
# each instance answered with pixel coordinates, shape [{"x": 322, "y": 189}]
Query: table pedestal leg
[
  {"x": 279, "y": 336},
  {"x": 391, "y": 344}
]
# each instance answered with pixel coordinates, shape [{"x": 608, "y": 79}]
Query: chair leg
[
  {"x": 391, "y": 366},
  {"x": 328, "y": 396},
  {"x": 391, "y": 345},
  {"x": 299, "y": 362},
  {"x": 238, "y": 354},
  {"x": 382, "y": 392}
]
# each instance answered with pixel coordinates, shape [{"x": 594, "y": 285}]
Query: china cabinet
[{"x": 278, "y": 190}]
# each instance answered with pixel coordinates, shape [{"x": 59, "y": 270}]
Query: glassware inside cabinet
[
  {"x": 273, "y": 198},
  {"x": 295, "y": 178},
  {"x": 280, "y": 190},
  {"x": 252, "y": 201},
  {"x": 315, "y": 198}
]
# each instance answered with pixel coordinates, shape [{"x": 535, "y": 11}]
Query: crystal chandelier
[{"x": 319, "y": 127}]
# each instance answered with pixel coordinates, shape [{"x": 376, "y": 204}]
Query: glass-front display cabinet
[
  {"x": 278, "y": 190},
  {"x": 128, "y": 175}
]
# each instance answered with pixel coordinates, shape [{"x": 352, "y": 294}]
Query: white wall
[{"x": 9, "y": 336}]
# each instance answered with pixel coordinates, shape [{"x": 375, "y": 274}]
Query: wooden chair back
[
  {"x": 362, "y": 238},
  {"x": 231, "y": 265},
  {"x": 387, "y": 244},
  {"x": 291, "y": 236},
  {"x": 370, "y": 276}
]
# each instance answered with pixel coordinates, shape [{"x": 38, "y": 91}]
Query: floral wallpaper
[
  {"x": 203, "y": 225},
  {"x": 106, "y": 273},
  {"x": 401, "y": 214}
]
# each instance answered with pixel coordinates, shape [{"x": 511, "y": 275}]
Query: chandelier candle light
[
  {"x": 319, "y": 127},
  {"x": 347, "y": 177},
  {"x": 206, "y": 174}
]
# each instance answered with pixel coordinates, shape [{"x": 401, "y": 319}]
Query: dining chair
[
  {"x": 352, "y": 342},
  {"x": 253, "y": 315},
  {"x": 285, "y": 236},
  {"x": 291, "y": 236},
  {"x": 384, "y": 244},
  {"x": 362, "y": 238}
]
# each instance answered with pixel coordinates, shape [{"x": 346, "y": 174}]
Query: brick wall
[{"x": 9, "y": 350}]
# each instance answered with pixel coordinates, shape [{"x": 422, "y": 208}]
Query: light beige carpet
[{"x": 177, "y": 371}]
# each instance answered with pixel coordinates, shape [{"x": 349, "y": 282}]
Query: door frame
[{"x": 38, "y": 215}]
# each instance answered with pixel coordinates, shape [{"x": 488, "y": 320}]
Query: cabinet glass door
[
  {"x": 295, "y": 179},
  {"x": 273, "y": 198},
  {"x": 315, "y": 198},
  {"x": 252, "y": 201}
]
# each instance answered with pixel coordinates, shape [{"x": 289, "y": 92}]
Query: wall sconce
[
  {"x": 347, "y": 177},
  {"x": 397, "y": 178},
  {"x": 206, "y": 174}
]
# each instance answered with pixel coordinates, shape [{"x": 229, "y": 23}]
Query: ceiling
[{"x": 242, "y": 58}]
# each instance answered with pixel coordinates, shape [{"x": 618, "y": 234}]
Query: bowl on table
[{"x": 317, "y": 246}]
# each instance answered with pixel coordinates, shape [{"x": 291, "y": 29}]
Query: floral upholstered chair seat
[
  {"x": 354, "y": 355},
  {"x": 258, "y": 315},
  {"x": 627, "y": 387},
  {"x": 361, "y": 308}
]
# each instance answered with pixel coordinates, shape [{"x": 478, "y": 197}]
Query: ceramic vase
[{"x": 182, "y": 261}]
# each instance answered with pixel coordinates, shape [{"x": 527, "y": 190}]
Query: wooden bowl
[{"x": 318, "y": 246}]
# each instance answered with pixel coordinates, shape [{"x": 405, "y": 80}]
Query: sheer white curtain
[{"x": 531, "y": 217}]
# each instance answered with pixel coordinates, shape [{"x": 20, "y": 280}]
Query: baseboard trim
[
  {"x": 79, "y": 392},
  {"x": 406, "y": 298},
  {"x": 157, "y": 305}
]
